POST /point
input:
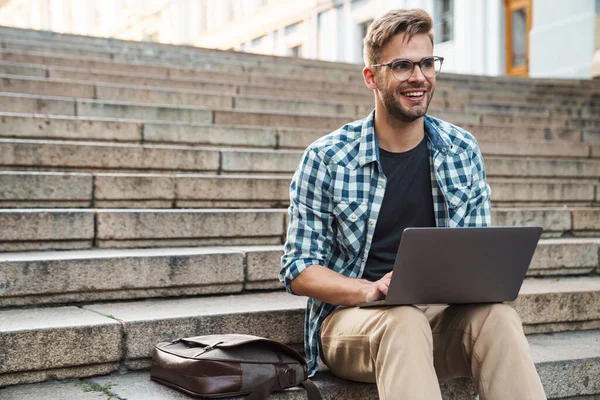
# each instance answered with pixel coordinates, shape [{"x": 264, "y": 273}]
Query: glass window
[
  {"x": 296, "y": 51},
  {"x": 519, "y": 37},
  {"x": 444, "y": 20},
  {"x": 257, "y": 41}
]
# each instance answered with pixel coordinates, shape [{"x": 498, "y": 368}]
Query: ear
[{"x": 369, "y": 76}]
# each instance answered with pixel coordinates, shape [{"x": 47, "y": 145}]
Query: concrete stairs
[{"x": 143, "y": 195}]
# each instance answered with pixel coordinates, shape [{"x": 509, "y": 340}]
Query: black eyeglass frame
[{"x": 413, "y": 63}]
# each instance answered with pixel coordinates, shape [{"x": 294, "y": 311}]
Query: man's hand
[{"x": 378, "y": 290}]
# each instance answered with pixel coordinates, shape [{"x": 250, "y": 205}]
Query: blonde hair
[{"x": 412, "y": 21}]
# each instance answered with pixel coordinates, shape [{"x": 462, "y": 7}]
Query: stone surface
[
  {"x": 210, "y": 135},
  {"x": 552, "y": 220},
  {"x": 528, "y": 191},
  {"x": 47, "y": 338},
  {"x": 43, "y": 86},
  {"x": 134, "y": 187},
  {"x": 47, "y": 186},
  {"x": 568, "y": 365},
  {"x": 274, "y": 190},
  {"x": 263, "y": 263},
  {"x": 162, "y": 96},
  {"x": 98, "y": 274},
  {"x": 565, "y": 256},
  {"x": 68, "y": 390},
  {"x": 295, "y": 106},
  {"x": 182, "y": 224},
  {"x": 45, "y": 127},
  {"x": 46, "y": 225},
  {"x": 140, "y": 79},
  {"x": 36, "y": 104},
  {"x": 91, "y": 108},
  {"x": 538, "y": 149},
  {"x": 22, "y": 69},
  {"x": 275, "y": 315},
  {"x": 282, "y": 119},
  {"x": 38, "y": 153},
  {"x": 261, "y": 160}
]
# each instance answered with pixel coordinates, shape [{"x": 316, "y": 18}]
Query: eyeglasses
[{"x": 402, "y": 69}]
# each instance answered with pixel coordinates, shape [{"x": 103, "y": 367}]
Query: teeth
[{"x": 414, "y": 94}]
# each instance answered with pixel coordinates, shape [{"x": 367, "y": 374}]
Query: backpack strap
[{"x": 263, "y": 390}]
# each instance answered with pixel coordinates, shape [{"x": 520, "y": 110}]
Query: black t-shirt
[{"x": 407, "y": 202}]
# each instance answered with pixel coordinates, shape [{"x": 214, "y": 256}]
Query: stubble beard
[{"x": 391, "y": 102}]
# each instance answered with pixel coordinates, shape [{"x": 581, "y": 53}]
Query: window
[
  {"x": 257, "y": 41},
  {"x": 444, "y": 20},
  {"x": 364, "y": 27},
  {"x": 296, "y": 51},
  {"x": 291, "y": 28}
]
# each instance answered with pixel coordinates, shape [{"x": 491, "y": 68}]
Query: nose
[{"x": 417, "y": 75}]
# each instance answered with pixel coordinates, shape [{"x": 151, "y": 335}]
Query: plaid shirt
[{"x": 337, "y": 191}]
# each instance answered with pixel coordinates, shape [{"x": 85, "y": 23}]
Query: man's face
[{"x": 408, "y": 100}]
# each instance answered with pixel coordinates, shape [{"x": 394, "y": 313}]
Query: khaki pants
[{"x": 406, "y": 349}]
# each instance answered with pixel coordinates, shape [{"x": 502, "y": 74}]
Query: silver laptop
[{"x": 460, "y": 265}]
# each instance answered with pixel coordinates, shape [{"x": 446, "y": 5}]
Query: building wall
[
  {"x": 562, "y": 41},
  {"x": 562, "y": 38}
]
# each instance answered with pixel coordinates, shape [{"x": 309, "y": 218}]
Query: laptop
[{"x": 460, "y": 265}]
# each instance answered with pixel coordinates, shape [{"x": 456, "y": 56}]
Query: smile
[{"x": 414, "y": 95}]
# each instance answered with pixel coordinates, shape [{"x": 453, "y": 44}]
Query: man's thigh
[{"x": 350, "y": 337}]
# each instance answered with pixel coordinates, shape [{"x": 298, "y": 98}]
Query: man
[{"x": 353, "y": 194}]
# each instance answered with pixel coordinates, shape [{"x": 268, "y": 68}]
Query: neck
[{"x": 397, "y": 136}]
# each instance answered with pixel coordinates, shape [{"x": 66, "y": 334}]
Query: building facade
[{"x": 539, "y": 38}]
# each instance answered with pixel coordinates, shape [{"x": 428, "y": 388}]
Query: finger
[
  {"x": 382, "y": 287},
  {"x": 388, "y": 275}
]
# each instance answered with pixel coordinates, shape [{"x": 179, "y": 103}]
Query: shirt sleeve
[
  {"x": 480, "y": 213},
  {"x": 310, "y": 234}
]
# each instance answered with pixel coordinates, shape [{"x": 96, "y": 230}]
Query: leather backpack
[{"x": 219, "y": 366}]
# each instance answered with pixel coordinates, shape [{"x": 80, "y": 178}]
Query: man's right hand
[
  {"x": 334, "y": 288},
  {"x": 378, "y": 290}
]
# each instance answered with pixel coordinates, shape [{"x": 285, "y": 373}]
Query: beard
[{"x": 392, "y": 101}]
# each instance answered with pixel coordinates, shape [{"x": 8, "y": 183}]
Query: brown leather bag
[{"x": 217, "y": 366}]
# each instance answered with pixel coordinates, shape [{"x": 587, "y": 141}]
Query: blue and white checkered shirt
[{"x": 337, "y": 191}]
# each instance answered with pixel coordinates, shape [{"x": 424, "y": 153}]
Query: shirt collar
[{"x": 368, "y": 149}]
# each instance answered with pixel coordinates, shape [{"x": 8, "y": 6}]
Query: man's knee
[
  {"x": 405, "y": 321},
  {"x": 497, "y": 318}
]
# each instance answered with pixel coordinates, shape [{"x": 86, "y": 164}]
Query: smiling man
[{"x": 354, "y": 193}]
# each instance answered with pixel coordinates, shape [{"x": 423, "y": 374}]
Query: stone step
[
  {"x": 169, "y": 96},
  {"x": 447, "y": 81},
  {"x": 443, "y": 98},
  {"x": 65, "y": 155},
  {"x": 41, "y": 229},
  {"x": 65, "y": 106},
  {"x": 102, "y": 190},
  {"x": 123, "y": 333},
  {"x": 319, "y": 103},
  {"x": 566, "y": 362},
  {"x": 282, "y": 65},
  {"x": 107, "y": 274},
  {"x": 57, "y": 39},
  {"x": 175, "y": 71},
  {"x": 19, "y": 125},
  {"x": 591, "y": 110},
  {"x": 154, "y": 47},
  {"x": 234, "y": 85},
  {"x": 180, "y": 58}
]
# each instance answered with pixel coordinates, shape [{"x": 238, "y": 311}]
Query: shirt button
[
  {"x": 352, "y": 217},
  {"x": 454, "y": 202},
  {"x": 371, "y": 223},
  {"x": 380, "y": 187},
  {"x": 443, "y": 149}
]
